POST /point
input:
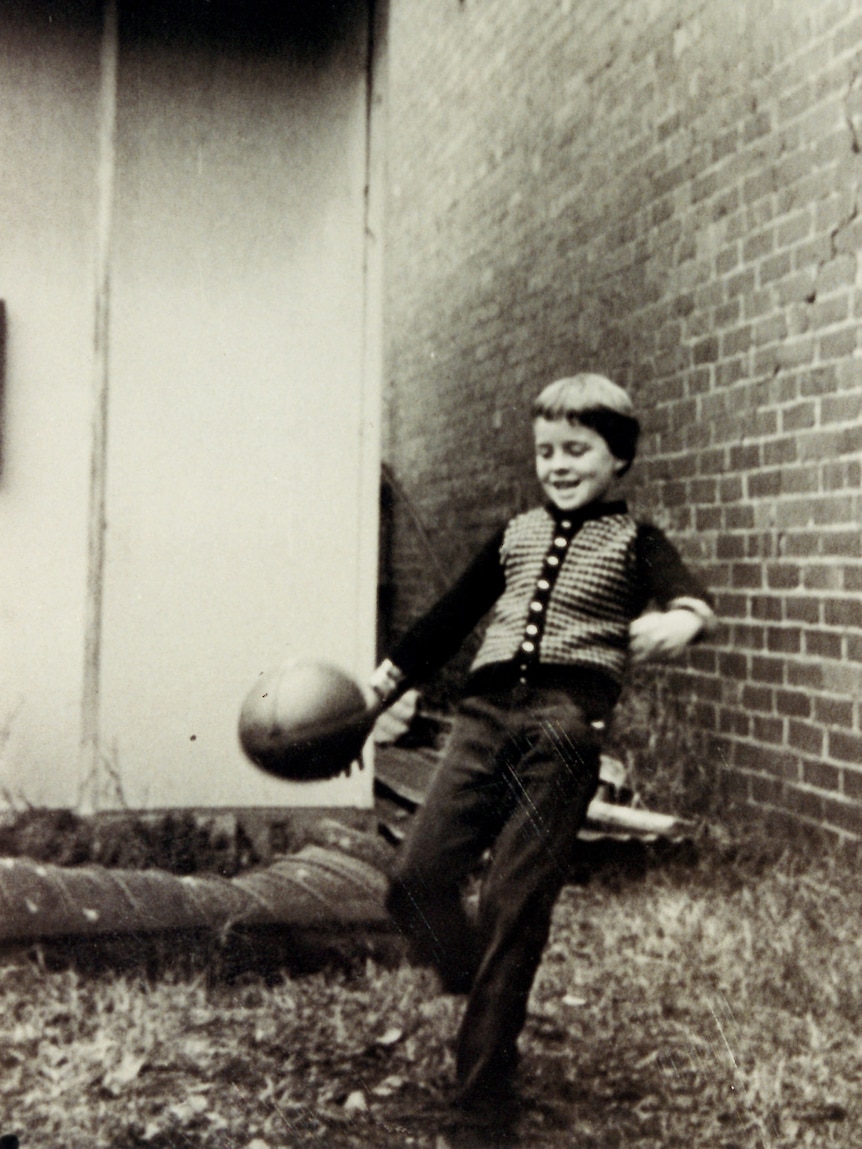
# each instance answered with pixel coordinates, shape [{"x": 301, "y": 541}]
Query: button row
[{"x": 529, "y": 648}]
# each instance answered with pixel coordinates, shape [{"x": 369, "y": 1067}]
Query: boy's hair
[{"x": 594, "y": 402}]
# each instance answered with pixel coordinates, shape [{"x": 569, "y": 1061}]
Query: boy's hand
[
  {"x": 373, "y": 702},
  {"x": 383, "y": 687},
  {"x": 660, "y": 635}
]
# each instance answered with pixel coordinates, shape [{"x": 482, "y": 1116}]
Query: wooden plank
[{"x": 403, "y": 776}]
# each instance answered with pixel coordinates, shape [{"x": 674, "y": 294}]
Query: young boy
[{"x": 580, "y": 591}]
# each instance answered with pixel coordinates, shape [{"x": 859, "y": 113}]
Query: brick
[
  {"x": 780, "y": 452},
  {"x": 836, "y": 273},
  {"x": 797, "y": 288},
  {"x": 805, "y": 674},
  {"x": 745, "y": 458},
  {"x": 782, "y": 575},
  {"x": 806, "y": 803},
  {"x": 760, "y": 303},
  {"x": 703, "y": 659},
  {"x": 845, "y": 408},
  {"x": 843, "y": 612},
  {"x": 852, "y": 783},
  {"x": 732, "y": 665},
  {"x": 829, "y": 312},
  {"x": 796, "y": 351},
  {"x": 835, "y": 510},
  {"x": 801, "y": 544},
  {"x": 839, "y": 344},
  {"x": 706, "y": 351},
  {"x": 845, "y": 544},
  {"x": 765, "y": 484},
  {"x": 845, "y": 815},
  {"x": 768, "y": 730},
  {"x": 806, "y": 737},
  {"x": 757, "y": 246},
  {"x": 741, "y": 284},
  {"x": 801, "y": 481},
  {"x": 821, "y": 775},
  {"x": 767, "y": 670},
  {"x": 804, "y": 609},
  {"x": 798, "y": 417},
  {"x": 727, "y": 259},
  {"x": 766, "y": 791},
  {"x": 813, "y": 253},
  {"x": 746, "y": 636},
  {"x": 761, "y": 698},
  {"x": 786, "y": 640},
  {"x": 823, "y": 643},
  {"x": 842, "y": 678},
  {"x": 731, "y": 606},
  {"x": 708, "y": 518},
  {"x": 794, "y": 228},
  {"x": 821, "y": 578},
  {"x": 793, "y": 703},
  {"x": 736, "y": 518},
  {"x": 766, "y": 607},
  {"x": 834, "y": 712},
  {"x": 746, "y": 575},
  {"x": 734, "y": 722}
]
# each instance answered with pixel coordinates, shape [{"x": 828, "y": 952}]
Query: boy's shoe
[{"x": 494, "y": 1104}]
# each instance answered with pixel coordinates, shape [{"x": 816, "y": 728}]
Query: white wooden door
[{"x": 238, "y": 505}]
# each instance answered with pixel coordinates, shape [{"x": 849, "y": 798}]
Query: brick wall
[{"x": 666, "y": 191}]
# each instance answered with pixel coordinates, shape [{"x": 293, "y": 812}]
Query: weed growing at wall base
[{"x": 667, "y": 755}]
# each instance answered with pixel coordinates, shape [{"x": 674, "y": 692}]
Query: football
[{"x": 304, "y": 721}]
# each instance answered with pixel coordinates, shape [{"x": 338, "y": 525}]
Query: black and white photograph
[{"x": 430, "y": 574}]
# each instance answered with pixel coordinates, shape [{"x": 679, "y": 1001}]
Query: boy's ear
[{"x": 621, "y": 466}]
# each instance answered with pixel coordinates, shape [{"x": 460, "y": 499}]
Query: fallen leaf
[
  {"x": 389, "y": 1085},
  {"x": 356, "y": 1102},
  {"x": 116, "y": 1079},
  {"x": 391, "y": 1036}
]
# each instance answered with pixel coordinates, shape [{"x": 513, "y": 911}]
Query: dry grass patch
[{"x": 708, "y": 1005}]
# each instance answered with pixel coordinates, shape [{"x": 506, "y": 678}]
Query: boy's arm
[
  {"x": 685, "y": 612},
  {"x": 437, "y": 635}
]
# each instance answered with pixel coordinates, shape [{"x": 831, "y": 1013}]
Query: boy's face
[{"x": 574, "y": 463}]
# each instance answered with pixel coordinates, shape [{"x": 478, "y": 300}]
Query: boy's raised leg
[{"x": 551, "y": 787}]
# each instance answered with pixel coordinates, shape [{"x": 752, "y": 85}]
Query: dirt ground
[{"x": 713, "y": 1002}]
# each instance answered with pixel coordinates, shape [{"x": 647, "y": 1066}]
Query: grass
[
  {"x": 712, "y": 1004},
  {"x": 702, "y": 1000}
]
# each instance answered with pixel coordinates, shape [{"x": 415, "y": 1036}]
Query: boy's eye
[{"x": 576, "y": 449}]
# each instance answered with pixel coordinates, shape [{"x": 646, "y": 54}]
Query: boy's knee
[
  {"x": 394, "y": 898},
  {"x": 402, "y": 900}
]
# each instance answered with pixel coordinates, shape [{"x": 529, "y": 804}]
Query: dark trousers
[{"x": 518, "y": 774}]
